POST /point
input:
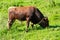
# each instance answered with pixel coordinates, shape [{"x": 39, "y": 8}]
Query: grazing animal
[{"x": 28, "y": 13}]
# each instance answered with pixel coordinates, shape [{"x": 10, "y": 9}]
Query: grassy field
[{"x": 49, "y": 8}]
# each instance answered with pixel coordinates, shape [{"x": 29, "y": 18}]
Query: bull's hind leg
[
  {"x": 27, "y": 19},
  {"x": 10, "y": 22}
]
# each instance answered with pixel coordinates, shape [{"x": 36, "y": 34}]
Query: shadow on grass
[
  {"x": 54, "y": 26},
  {"x": 51, "y": 26}
]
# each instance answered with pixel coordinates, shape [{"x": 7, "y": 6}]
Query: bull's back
[{"x": 21, "y": 12}]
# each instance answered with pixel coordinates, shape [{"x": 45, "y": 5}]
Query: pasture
[{"x": 49, "y": 8}]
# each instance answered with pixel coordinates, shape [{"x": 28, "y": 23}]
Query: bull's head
[{"x": 44, "y": 22}]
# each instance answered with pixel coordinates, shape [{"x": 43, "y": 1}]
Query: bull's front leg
[
  {"x": 27, "y": 19},
  {"x": 32, "y": 25}
]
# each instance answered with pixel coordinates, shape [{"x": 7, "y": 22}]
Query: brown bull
[{"x": 29, "y": 13}]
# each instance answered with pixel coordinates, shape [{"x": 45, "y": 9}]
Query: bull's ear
[{"x": 45, "y": 18}]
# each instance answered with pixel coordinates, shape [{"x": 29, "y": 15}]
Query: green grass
[{"x": 17, "y": 31}]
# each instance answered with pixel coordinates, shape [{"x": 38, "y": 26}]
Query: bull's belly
[{"x": 22, "y": 19}]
